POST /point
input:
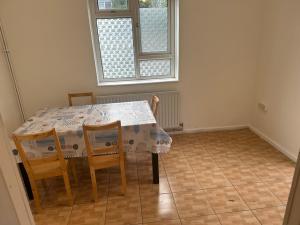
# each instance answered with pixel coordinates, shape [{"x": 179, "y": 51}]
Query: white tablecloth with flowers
[{"x": 140, "y": 130}]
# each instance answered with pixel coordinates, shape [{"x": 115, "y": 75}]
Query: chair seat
[
  {"x": 104, "y": 161},
  {"x": 48, "y": 169}
]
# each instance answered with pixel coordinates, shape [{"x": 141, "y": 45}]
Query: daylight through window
[{"x": 134, "y": 40}]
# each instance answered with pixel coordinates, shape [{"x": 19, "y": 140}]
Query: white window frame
[{"x": 133, "y": 12}]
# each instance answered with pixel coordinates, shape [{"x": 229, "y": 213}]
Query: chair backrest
[
  {"x": 154, "y": 105},
  {"x": 77, "y": 95},
  {"x": 28, "y": 163},
  {"x": 117, "y": 144}
]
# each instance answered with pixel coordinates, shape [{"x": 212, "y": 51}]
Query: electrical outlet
[{"x": 262, "y": 106}]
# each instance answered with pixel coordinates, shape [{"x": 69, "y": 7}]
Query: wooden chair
[
  {"x": 105, "y": 157},
  {"x": 77, "y": 95},
  {"x": 46, "y": 167},
  {"x": 154, "y": 105}
]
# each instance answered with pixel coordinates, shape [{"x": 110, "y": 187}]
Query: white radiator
[{"x": 169, "y": 105}]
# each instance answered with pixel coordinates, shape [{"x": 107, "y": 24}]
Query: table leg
[
  {"x": 25, "y": 180},
  {"x": 155, "y": 168}
]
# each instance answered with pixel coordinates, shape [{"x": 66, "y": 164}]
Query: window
[{"x": 134, "y": 40}]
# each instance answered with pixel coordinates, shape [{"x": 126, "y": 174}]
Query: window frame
[{"x": 133, "y": 12}]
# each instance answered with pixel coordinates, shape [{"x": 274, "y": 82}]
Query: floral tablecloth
[{"x": 140, "y": 131}]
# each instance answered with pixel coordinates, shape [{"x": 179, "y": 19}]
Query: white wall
[
  {"x": 52, "y": 54},
  {"x": 278, "y": 78},
  {"x": 8, "y": 102},
  {"x": 7, "y": 211},
  {"x": 12, "y": 119}
]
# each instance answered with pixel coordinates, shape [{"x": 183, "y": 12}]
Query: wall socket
[{"x": 262, "y": 106}]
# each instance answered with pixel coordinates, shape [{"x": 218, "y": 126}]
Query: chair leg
[
  {"x": 94, "y": 184},
  {"x": 73, "y": 168},
  {"x": 68, "y": 187},
  {"x": 125, "y": 159},
  {"x": 36, "y": 196},
  {"x": 123, "y": 176}
]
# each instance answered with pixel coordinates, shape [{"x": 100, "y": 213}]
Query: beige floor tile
[
  {"x": 240, "y": 218},
  {"x": 192, "y": 204},
  {"x": 162, "y": 188},
  {"x": 123, "y": 210},
  {"x": 240, "y": 175},
  {"x": 250, "y": 161},
  {"x": 257, "y": 196},
  {"x": 184, "y": 181},
  {"x": 270, "y": 174},
  {"x": 280, "y": 190},
  {"x": 270, "y": 216},
  {"x": 158, "y": 207},
  {"x": 175, "y": 169},
  {"x": 201, "y": 220},
  {"x": 88, "y": 214},
  {"x": 212, "y": 178},
  {"x": 174, "y": 153},
  {"x": 225, "y": 200},
  {"x": 53, "y": 216},
  {"x": 228, "y": 162},
  {"x": 196, "y": 152},
  {"x": 132, "y": 188},
  {"x": 286, "y": 167},
  {"x": 165, "y": 222},
  {"x": 199, "y": 163},
  {"x": 176, "y": 166}
]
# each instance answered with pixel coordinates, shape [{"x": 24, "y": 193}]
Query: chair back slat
[
  {"x": 104, "y": 150},
  {"x": 34, "y": 162},
  {"x": 79, "y": 95},
  {"x": 28, "y": 163},
  {"x": 97, "y": 129}
]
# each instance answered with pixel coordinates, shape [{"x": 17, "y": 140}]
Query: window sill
[{"x": 137, "y": 82}]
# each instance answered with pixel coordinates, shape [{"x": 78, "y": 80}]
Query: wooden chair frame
[
  {"x": 32, "y": 165},
  {"x": 154, "y": 105},
  {"x": 83, "y": 94},
  {"x": 105, "y": 157}
]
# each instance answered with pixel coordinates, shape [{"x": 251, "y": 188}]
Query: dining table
[{"x": 140, "y": 131}]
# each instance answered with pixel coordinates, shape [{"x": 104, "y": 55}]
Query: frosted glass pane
[
  {"x": 155, "y": 67},
  {"x": 154, "y": 25},
  {"x": 116, "y": 47},
  {"x": 113, "y": 4}
]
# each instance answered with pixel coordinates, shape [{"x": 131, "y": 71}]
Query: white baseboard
[
  {"x": 211, "y": 129},
  {"x": 275, "y": 144}
]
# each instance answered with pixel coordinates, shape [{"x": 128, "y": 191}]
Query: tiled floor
[{"x": 218, "y": 178}]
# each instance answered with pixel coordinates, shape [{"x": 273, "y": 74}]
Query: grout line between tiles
[
  {"x": 180, "y": 219},
  {"x": 140, "y": 197}
]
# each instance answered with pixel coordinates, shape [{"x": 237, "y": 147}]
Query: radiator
[{"x": 168, "y": 111}]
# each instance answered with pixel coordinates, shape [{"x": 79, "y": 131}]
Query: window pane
[
  {"x": 113, "y": 4},
  {"x": 154, "y": 25},
  {"x": 116, "y": 47},
  {"x": 161, "y": 67}
]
